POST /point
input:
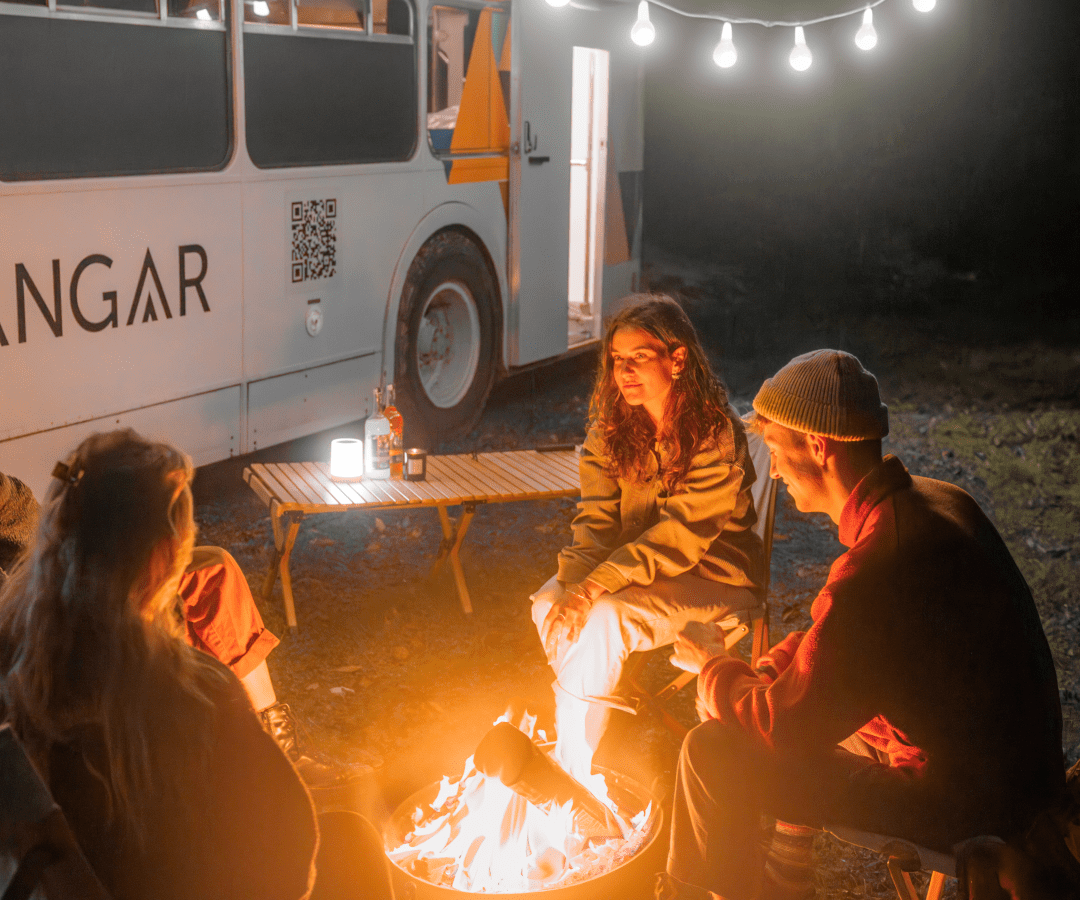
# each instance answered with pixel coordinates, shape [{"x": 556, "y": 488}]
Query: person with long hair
[
  {"x": 151, "y": 748},
  {"x": 663, "y": 535}
]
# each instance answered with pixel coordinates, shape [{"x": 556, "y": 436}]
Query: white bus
[{"x": 225, "y": 222}]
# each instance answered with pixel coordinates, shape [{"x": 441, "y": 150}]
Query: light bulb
[
  {"x": 557, "y": 3},
  {"x": 924, "y": 5},
  {"x": 866, "y": 37},
  {"x": 725, "y": 54},
  {"x": 801, "y": 57},
  {"x": 260, "y": 8},
  {"x": 643, "y": 32},
  {"x": 203, "y": 15}
]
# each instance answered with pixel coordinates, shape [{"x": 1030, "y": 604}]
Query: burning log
[{"x": 509, "y": 755}]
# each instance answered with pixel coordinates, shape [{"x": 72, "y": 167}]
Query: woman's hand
[
  {"x": 567, "y": 615},
  {"x": 696, "y": 644}
]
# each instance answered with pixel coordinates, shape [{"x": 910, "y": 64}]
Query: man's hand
[
  {"x": 567, "y": 616},
  {"x": 696, "y": 644}
]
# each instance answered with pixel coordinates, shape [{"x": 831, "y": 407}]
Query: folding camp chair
[
  {"x": 54, "y": 861},
  {"x": 903, "y": 857},
  {"x": 738, "y": 623}
]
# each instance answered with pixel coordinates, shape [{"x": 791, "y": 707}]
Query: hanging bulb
[
  {"x": 725, "y": 54},
  {"x": 261, "y": 8},
  {"x": 925, "y": 5},
  {"x": 801, "y": 57},
  {"x": 866, "y": 37},
  {"x": 643, "y": 32},
  {"x": 557, "y": 3}
]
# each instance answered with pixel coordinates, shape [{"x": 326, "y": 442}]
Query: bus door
[{"x": 539, "y": 181}]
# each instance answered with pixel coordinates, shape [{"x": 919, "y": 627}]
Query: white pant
[{"x": 636, "y": 618}]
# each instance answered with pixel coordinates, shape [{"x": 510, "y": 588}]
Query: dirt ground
[{"x": 387, "y": 671}]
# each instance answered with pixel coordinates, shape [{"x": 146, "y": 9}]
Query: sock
[{"x": 789, "y": 863}]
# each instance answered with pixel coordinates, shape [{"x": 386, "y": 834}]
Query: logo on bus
[{"x": 193, "y": 267}]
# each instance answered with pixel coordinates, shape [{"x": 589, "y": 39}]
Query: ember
[{"x": 544, "y": 831}]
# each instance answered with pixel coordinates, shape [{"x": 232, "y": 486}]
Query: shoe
[
  {"x": 668, "y": 888},
  {"x": 317, "y": 770}
]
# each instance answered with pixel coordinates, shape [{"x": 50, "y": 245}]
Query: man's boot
[{"x": 317, "y": 770}]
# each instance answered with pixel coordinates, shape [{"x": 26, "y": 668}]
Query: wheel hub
[{"x": 448, "y": 344}]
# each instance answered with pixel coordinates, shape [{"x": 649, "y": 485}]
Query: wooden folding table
[{"x": 293, "y": 491}]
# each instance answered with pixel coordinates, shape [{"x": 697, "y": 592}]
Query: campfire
[{"x": 515, "y": 822}]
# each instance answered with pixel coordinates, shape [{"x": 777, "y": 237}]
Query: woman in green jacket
[{"x": 663, "y": 534}]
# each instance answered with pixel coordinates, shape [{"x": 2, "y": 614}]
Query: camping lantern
[{"x": 347, "y": 459}]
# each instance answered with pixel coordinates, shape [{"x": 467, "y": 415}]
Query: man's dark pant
[{"x": 728, "y": 787}]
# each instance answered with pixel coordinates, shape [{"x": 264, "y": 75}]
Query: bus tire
[{"x": 447, "y": 339}]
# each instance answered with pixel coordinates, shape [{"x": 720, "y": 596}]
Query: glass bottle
[
  {"x": 397, "y": 440},
  {"x": 377, "y": 441}
]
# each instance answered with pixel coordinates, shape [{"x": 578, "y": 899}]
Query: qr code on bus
[{"x": 314, "y": 239}]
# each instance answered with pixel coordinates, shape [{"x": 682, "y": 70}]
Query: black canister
[{"x": 415, "y": 464}]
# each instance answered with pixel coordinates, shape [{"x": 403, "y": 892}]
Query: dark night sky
[{"x": 957, "y": 136}]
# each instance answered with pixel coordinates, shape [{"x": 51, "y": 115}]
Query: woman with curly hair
[
  {"x": 663, "y": 534},
  {"x": 150, "y": 747}
]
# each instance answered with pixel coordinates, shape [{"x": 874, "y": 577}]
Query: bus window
[
  {"x": 114, "y": 87},
  {"x": 453, "y": 55},
  {"x": 391, "y": 17},
  {"x": 149, "y": 7},
  {"x": 290, "y": 124},
  {"x": 200, "y": 10},
  {"x": 332, "y": 14},
  {"x": 267, "y": 12}
]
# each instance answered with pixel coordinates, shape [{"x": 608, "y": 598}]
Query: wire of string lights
[{"x": 726, "y": 54}]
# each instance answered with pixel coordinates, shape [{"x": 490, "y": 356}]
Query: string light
[
  {"x": 866, "y": 36},
  {"x": 643, "y": 31},
  {"x": 725, "y": 53},
  {"x": 801, "y": 57}
]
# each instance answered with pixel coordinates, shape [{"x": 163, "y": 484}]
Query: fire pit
[{"x": 522, "y": 829}]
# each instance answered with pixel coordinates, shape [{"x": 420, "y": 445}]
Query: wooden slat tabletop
[{"x": 483, "y": 477}]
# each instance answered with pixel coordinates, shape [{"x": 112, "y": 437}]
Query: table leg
[
  {"x": 275, "y": 558},
  {"x": 293, "y": 527},
  {"x": 453, "y": 535},
  {"x": 285, "y": 527}
]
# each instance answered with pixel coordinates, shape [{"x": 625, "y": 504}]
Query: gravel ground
[{"x": 387, "y": 670}]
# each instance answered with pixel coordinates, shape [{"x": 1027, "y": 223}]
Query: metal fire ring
[{"x": 623, "y": 880}]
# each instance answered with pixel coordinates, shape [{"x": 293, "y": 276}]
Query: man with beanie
[{"x": 922, "y": 702}]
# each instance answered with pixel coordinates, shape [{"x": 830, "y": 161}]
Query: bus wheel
[{"x": 446, "y": 352}]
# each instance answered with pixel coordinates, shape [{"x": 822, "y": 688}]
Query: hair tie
[{"x": 66, "y": 473}]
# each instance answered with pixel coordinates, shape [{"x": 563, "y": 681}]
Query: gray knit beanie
[{"x": 826, "y": 392}]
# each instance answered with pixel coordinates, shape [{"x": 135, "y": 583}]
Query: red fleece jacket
[{"x": 926, "y": 642}]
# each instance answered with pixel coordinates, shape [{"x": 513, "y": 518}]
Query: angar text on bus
[{"x": 191, "y": 256}]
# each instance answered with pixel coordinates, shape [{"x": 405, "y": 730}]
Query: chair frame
[{"x": 55, "y": 863}]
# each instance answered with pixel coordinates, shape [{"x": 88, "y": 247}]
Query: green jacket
[{"x": 631, "y": 532}]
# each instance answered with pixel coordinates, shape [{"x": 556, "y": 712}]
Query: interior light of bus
[
  {"x": 203, "y": 15},
  {"x": 260, "y": 8}
]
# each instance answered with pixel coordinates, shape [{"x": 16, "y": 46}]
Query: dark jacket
[
  {"x": 927, "y": 642},
  {"x": 244, "y": 829}
]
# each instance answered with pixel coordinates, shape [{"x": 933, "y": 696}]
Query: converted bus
[{"x": 223, "y": 223}]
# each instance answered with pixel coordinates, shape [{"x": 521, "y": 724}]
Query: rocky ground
[{"x": 386, "y": 670}]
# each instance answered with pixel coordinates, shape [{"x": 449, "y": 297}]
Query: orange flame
[{"x": 479, "y": 836}]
